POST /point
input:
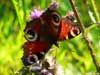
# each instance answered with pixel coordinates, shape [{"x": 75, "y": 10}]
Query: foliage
[{"x": 72, "y": 54}]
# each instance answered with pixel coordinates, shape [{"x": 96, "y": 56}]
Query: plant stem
[
  {"x": 95, "y": 10},
  {"x": 93, "y": 55},
  {"x": 17, "y": 13}
]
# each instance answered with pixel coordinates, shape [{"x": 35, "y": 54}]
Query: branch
[{"x": 93, "y": 55}]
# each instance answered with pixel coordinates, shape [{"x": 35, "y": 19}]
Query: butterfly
[{"x": 45, "y": 29}]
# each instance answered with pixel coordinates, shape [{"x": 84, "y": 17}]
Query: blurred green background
[{"x": 73, "y": 55}]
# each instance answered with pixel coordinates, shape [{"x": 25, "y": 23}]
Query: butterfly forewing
[{"x": 67, "y": 30}]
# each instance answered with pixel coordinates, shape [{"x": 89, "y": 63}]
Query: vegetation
[{"x": 73, "y": 55}]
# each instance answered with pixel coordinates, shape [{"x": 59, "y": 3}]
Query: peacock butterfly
[{"x": 45, "y": 29}]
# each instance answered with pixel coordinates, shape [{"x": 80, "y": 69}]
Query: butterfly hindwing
[{"x": 34, "y": 51}]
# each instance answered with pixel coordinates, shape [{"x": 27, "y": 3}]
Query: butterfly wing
[
  {"x": 34, "y": 51},
  {"x": 67, "y": 30}
]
